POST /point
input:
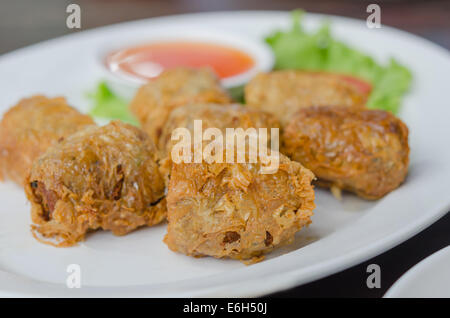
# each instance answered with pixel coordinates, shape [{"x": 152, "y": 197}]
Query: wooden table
[{"x": 26, "y": 22}]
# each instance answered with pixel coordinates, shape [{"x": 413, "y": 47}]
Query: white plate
[
  {"x": 342, "y": 234},
  {"x": 428, "y": 279}
]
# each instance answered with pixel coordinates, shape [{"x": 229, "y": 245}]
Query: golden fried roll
[
  {"x": 99, "y": 178},
  {"x": 362, "y": 151},
  {"x": 235, "y": 211},
  {"x": 214, "y": 116},
  {"x": 173, "y": 88},
  {"x": 30, "y": 127},
  {"x": 282, "y": 93}
]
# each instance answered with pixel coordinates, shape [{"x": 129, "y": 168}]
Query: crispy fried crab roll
[
  {"x": 282, "y": 93},
  {"x": 30, "y": 127},
  {"x": 362, "y": 151},
  {"x": 173, "y": 88},
  {"x": 235, "y": 211},
  {"x": 99, "y": 178},
  {"x": 214, "y": 116}
]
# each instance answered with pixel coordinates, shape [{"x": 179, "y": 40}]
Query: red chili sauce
[{"x": 148, "y": 61}]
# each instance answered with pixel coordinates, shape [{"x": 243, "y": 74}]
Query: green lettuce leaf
[{"x": 108, "y": 105}]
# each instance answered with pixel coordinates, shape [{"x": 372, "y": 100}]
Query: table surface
[{"x": 24, "y": 22}]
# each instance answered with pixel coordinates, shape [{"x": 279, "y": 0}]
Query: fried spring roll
[
  {"x": 99, "y": 178},
  {"x": 30, "y": 127},
  {"x": 232, "y": 210},
  {"x": 214, "y": 116},
  {"x": 173, "y": 88},
  {"x": 282, "y": 93},
  {"x": 362, "y": 151}
]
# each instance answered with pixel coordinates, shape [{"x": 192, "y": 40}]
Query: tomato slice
[{"x": 360, "y": 84}]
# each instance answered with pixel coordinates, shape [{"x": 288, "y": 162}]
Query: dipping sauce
[{"x": 148, "y": 61}]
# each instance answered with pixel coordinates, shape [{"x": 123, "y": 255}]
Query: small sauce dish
[{"x": 234, "y": 58}]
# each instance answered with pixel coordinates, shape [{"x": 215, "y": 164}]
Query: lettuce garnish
[{"x": 108, "y": 105}]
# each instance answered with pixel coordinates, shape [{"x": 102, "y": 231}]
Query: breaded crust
[
  {"x": 363, "y": 151},
  {"x": 30, "y": 127},
  {"x": 99, "y": 178},
  {"x": 173, "y": 88},
  {"x": 235, "y": 211},
  {"x": 282, "y": 93}
]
